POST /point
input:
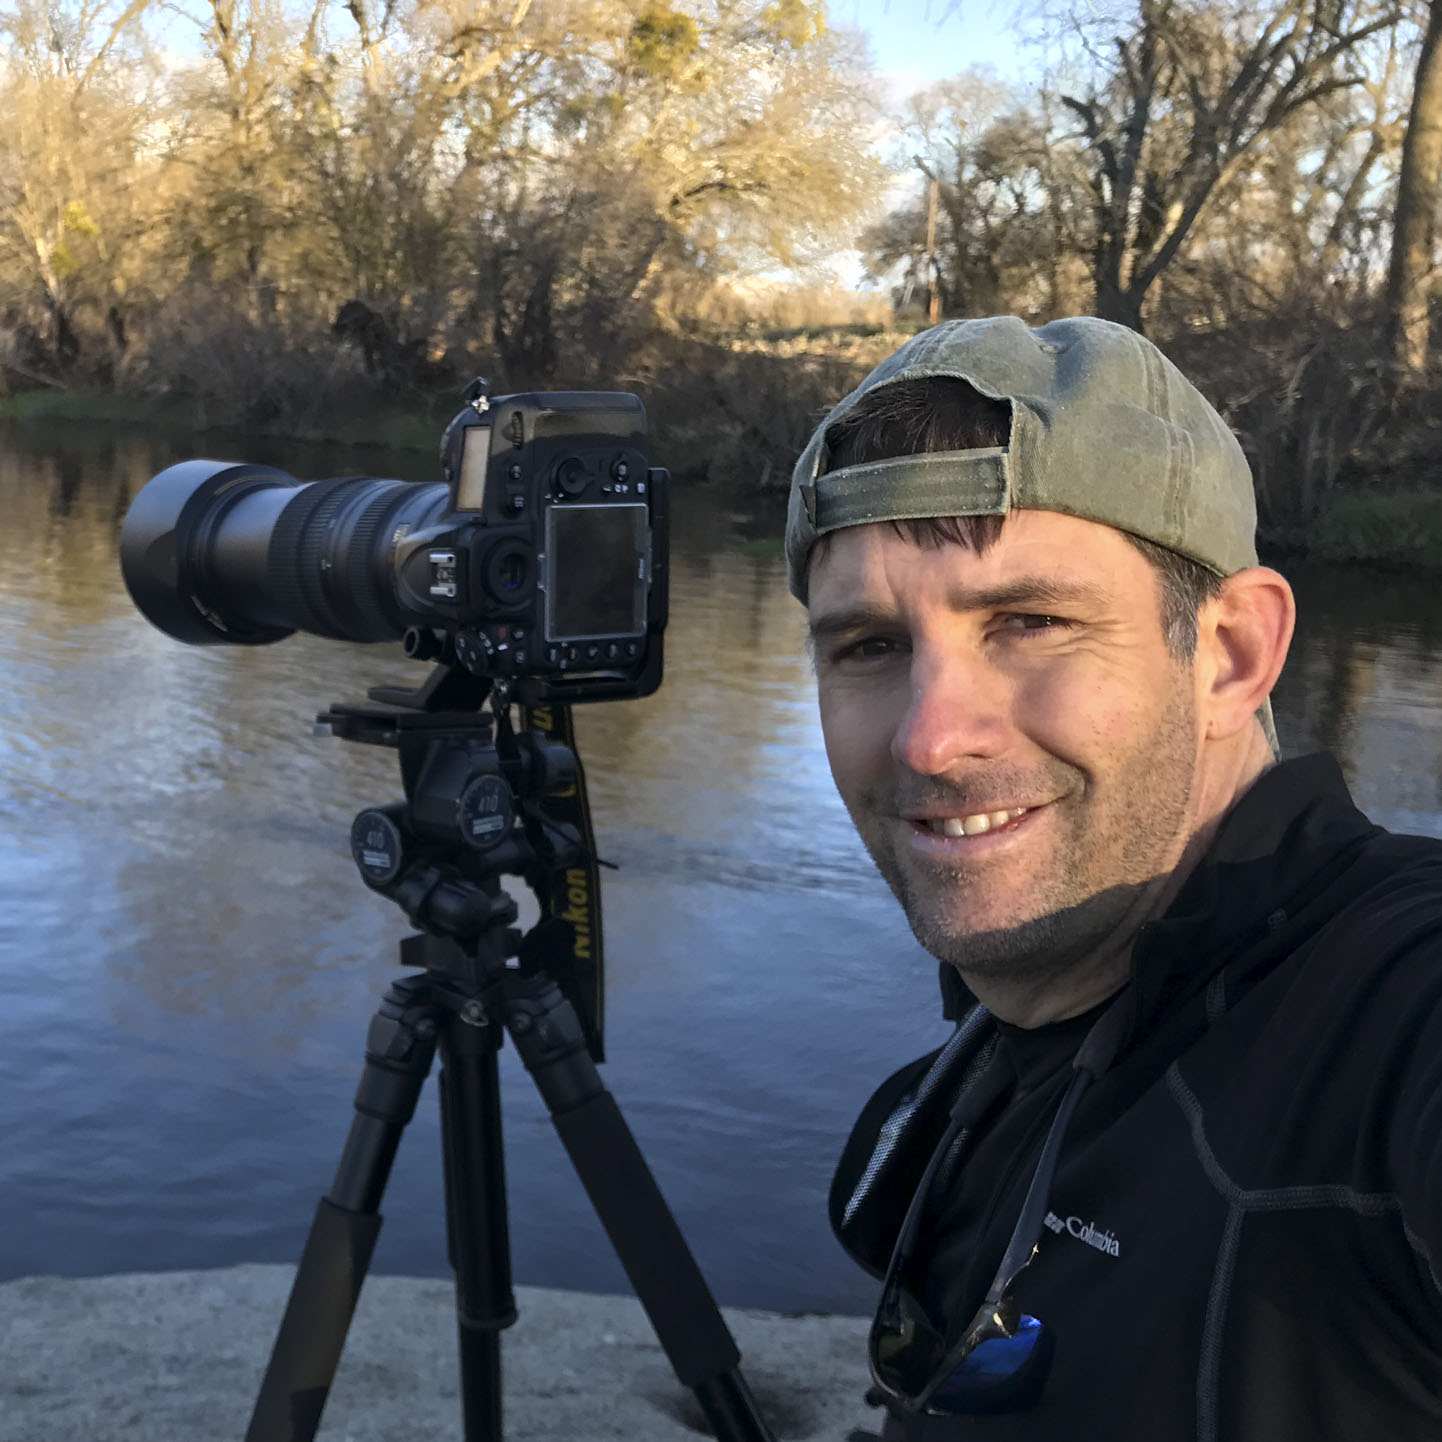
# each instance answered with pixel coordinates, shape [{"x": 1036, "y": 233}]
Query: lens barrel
[{"x": 215, "y": 551}]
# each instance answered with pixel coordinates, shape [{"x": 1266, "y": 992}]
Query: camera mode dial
[{"x": 474, "y": 651}]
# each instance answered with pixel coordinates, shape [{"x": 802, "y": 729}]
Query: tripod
[{"x": 474, "y": 811}]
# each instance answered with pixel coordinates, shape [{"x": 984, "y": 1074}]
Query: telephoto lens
[{"x": 219, "y": 551}]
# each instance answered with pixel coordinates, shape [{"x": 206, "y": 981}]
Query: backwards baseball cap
[{"x": 1103, "y": 426}]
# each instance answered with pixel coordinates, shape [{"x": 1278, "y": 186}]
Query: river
[{"x": 188, "y": 962}]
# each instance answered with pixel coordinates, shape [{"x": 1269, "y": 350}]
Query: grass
[
  {"x": 394, "y": 428},
  {"x": 105, "y": 407},
  {"x": 1401, "y": 529}
]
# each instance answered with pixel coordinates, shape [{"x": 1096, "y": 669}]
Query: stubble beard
[{"x": 1108, "y": 860}]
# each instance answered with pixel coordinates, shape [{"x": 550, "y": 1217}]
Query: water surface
[{"x": 188, "y": 962}]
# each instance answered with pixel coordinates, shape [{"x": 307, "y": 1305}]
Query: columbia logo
[{"x": 1084, "y": 1232}]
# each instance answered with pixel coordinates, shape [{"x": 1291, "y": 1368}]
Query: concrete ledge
[{"x": 177, "y": 1357}]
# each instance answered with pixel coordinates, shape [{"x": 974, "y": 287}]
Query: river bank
[
  {"x": 1396, "y": 526},
  {"x": 178, "y": 1356}
]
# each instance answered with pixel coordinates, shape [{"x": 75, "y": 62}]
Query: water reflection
[
  {"x": 202, "y": 928},
  {"x": 1364, "y": 681},
  {"x": 190, "y": 962}
]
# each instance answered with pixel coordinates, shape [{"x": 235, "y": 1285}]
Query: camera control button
[
  {"x": 571, "y": 476},
  {"x": 554, "y": 654},
  {"x": 633, "y": 648},
  {"x": 473, "y": 652},
  {"x": 592, "y": 651},
  {"x": 612, "y": 651}
]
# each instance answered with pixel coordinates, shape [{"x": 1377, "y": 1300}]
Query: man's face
[{"x": 1015, "y": 744}]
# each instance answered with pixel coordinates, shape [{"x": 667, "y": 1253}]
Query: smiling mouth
[{"x": 977, "y": 824}]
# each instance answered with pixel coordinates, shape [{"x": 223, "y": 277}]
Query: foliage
[
  {"x": 350, "y": 207},
  {"x": 527, "y": 187}
]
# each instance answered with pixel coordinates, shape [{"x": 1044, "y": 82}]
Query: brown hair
[{"x": 941, "y": 413}]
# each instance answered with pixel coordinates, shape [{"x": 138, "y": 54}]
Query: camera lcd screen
[
  {"x": 596, "y": 584},
  {"x": 471, "y": 490}
]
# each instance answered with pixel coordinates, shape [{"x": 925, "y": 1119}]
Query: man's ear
[{"x": 1242, "y": 641}]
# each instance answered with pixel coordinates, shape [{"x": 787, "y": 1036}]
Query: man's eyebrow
[
  {"x": 1038, "y": 591},
  {"x": 847, "y": 620},
  {"x": 1035, "y": 590}
]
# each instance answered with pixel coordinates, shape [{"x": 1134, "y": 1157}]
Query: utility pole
[{"x": 933, "y": 297}]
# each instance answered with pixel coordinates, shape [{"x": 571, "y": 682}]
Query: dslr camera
[{"x": 539, "y": 561}]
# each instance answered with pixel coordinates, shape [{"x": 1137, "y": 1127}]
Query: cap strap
[{"x": 906, "y": 488}]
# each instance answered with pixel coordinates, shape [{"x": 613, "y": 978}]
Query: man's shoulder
[{"x": 1397, "y": 874}]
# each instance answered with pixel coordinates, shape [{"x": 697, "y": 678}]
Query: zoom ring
[{"x": 296, "y": 553}]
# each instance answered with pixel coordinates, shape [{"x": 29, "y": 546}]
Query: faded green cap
[{"x": 1103, "y": 426}]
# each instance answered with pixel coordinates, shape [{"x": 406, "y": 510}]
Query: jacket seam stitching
[
  {"x": 1216, "y": 998},
  {"x": 1241, "y": 1200},
  {"x": 1209, "y": 1368},
  {"x": 1272, "y": 1199}
]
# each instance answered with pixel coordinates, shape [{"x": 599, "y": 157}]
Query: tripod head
[{"x": 484, "y": 798}]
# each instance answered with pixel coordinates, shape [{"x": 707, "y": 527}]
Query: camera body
[
  {"x": 541, "y": 562},
  {"x": 551, "y": 567}
]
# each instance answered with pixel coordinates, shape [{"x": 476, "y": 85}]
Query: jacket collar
[
  {"x": 1286, "y": 837},
  {"x": 1291, "y": 835}
]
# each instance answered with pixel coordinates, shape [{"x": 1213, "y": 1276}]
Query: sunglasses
[{"x": 1000, "y": 1361}]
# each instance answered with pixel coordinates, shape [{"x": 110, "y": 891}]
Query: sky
[{"x": 917, "y": 41}]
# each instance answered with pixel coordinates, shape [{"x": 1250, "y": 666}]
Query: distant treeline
[{"x": 268, "y": 214}]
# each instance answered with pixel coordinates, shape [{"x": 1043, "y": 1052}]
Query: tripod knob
[{"x": 377, "y": 843}]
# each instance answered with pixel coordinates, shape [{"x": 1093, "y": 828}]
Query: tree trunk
[
  {"x": 1117, "y": 302},
  {"x": 1413, "y": 226}
]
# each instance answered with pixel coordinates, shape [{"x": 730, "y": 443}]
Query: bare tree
[
  {"x": 1419, "y": 190},
  {"x": 1178, "y": 106},
  {"x": 71, "y": 229}
]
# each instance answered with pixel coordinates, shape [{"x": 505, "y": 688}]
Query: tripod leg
[
  {"x": 476, "y": 1226},
  {"x": 653, "y": 1251},
  {"x": 399, "y": 1049}
]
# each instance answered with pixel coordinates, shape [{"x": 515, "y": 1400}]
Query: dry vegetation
[{"x": 318, "y": 217}]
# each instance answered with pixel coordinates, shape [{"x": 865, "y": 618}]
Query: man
[{"x": 1177, "y": 1174}]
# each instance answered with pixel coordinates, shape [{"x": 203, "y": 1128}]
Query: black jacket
[{"x": 1245, "y": 1239}]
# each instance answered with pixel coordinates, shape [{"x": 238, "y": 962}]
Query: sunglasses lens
[
  {"x": 1001, "y": 1356},
  {"x": 905, "y": 1348},
  {"x": 999, "y": 1374}
]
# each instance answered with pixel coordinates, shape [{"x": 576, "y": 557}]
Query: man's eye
[
  {"x": 868, "y": 648},
  {"x": 1029, "y": 621}
]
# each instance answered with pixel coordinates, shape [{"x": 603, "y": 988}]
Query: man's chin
[
  {"x": 1024, "y": 948},
  {"x": 1028, "y": 947}
]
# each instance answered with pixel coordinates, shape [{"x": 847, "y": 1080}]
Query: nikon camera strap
[{"x": 573, "y": 894}]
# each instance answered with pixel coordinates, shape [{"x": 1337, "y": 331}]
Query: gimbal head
[{"x": 483, "y": 799}]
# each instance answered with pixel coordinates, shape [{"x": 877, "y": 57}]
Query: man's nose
[{"x": 959, "y": 710}]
